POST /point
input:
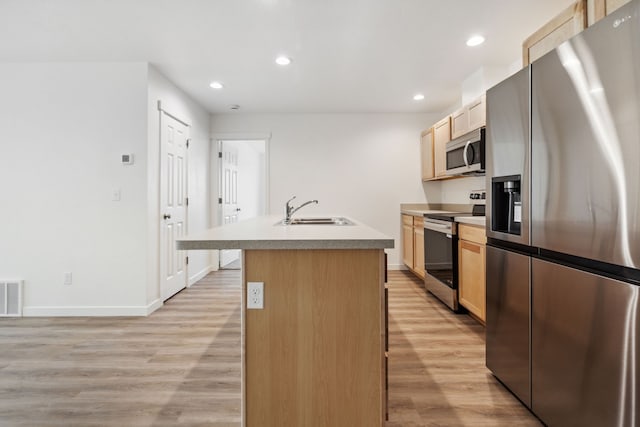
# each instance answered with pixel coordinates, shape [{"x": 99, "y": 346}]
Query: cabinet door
[
  {"x": 598, "y": 9},
  {"x": 477, "y": 113},
  {"x": 418, "y": 246},
  {"x": 441, "y": 135},
  {"x": 426, "y": 154},
  {"x": 407, "y": 240},
  {"x": 471, "y": 262},
  {"x": 459, "y": 123},
  {"x": 565, "y": 25}
]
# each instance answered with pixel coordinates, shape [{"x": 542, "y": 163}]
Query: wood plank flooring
[
  {"x": 181, "y": 365},
  {"x": 437, "y": 373}
]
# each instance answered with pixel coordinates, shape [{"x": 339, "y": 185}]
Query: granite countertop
[
  {"x": 262, "y": 233},
  {"x": 473, "y": 220}
]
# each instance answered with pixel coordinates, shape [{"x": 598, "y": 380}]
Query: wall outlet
[
  {"x": 255, "y": 295},
  {"x": 68, "y": 278}
]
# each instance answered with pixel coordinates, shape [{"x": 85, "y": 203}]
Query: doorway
[{"x": 243, "y": 187}]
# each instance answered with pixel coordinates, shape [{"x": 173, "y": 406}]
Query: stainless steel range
[{"x": 441, "y": 255}]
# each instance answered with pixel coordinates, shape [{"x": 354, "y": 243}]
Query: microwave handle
[{"x": 464, "y": 153}]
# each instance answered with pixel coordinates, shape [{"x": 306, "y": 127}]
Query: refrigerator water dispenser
[{"x": 506, "y": 204}]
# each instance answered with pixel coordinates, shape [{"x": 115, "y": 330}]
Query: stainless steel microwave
[{"x": 465, "y": 155}]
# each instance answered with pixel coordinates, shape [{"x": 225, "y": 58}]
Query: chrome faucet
[{"x": 290, "y": 210}]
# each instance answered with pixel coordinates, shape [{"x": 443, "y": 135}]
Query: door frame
[
  {"x": 215, "y": 144},
  {"x": 159, "y": 224}
]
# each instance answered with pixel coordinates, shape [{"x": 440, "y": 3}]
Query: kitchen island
[{"x": 315, "y": 354}]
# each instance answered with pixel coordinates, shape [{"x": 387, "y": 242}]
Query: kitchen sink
[{"x": 318, "y": 221}]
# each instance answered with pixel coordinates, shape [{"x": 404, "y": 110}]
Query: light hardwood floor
[
  {"x": 181, "y": 365},
  {"x": 437, "y": 373}
]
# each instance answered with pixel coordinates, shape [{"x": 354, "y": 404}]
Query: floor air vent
[{"x": 11, "y": 298}]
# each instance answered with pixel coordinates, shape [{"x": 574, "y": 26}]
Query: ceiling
[{"x": 348, "y": 55}]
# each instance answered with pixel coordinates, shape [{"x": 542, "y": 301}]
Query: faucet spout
[{"x": 290, "y": 210}]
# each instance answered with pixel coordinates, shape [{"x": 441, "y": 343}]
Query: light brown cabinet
[
  {"x": 323, "y": 321},
  {"x": 407, "y": 240},
  {"x": 441, "y": 135},
  {"x": 413, "y": 244},
  {"x": 426, "y": 154},
  {"x": 418, "y": 246},
  {"x": 565, "y": 25},
  {"x": 471, "y": 269},
  {"x": 471, "y": 116},
  {"x": 598, "y": 9}
]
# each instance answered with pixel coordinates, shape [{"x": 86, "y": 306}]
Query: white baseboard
[
  {"x": 396, "y": 267},
  {"x": 91, "y": 311},
  {"x": 153, "y": 306},
  {"x": 199, "y": 275}
]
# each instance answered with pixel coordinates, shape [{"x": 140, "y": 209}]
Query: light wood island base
[{"x": 314, "y": 356}]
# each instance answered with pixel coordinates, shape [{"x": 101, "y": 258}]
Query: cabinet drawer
[
  {"x": 472, "y": 233},
  {"x": 418, "y": 222},
  {"x": 407, "y": 220}
]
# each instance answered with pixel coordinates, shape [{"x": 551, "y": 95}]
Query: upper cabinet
[
  {"x": 470, "y": 117},
  {"x": 441, "y": 135},
  {"x": 565, "y": 25},
  {"x": 433, "y": 141},
  {"x": 426, "y": 154},
  {"x": 598, "y": 9}
]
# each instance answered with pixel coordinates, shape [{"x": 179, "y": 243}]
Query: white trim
[
  {"x": 199, "y": 275},
  {"x": 397, "y": 267},
  {"x": 91, "y": 311},
  {"x": 171, "y": 115},
  {"x": 240, "y": 136}
]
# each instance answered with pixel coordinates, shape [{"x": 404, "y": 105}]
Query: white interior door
[
  {"x": 229, "y": 195},
  {"x": 173, "y": 204}
]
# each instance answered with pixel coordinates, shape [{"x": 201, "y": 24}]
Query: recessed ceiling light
[
  {"x": 418, "y": 97},
  {"x": 216, "y": 85},
  {"x": 283, "y": 60},
  {"x": 475, "y": 41}
]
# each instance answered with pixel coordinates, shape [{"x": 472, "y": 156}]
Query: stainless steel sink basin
[{"x": 318, "y": 221}]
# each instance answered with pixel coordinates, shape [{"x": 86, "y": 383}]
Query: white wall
[
  {"x": 64, "y": 127},
  {"x": 178, "y": 104},
  {"x": 359, "y": 165},
  {"x": 456, "y": 191}
]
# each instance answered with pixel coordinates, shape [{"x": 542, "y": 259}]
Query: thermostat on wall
[{"x": 127, "y": 159}]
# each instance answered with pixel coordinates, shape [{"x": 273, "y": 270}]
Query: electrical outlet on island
[{"x": 255, "y": 295}]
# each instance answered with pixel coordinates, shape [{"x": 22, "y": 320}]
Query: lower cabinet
[
  {"x": 407, "y": 240},
  {"x": 418, "y": 246},
  {"x": 471, "y": 269},
  {"x": 413, "y": 244}
]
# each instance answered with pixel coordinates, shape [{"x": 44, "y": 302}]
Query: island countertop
[{"x": 263, "y": 233}]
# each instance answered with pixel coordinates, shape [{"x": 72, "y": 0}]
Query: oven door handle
[{"x": 438, "y": 227}]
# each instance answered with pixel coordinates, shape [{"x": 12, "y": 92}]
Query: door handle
[
  {"x": 166, "y": 216},
  {"x": 464, "y": 153},
  {"x": 238, "y": 209}
]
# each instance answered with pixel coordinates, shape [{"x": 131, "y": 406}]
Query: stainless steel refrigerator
[{"x": 563, "y": 222}]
